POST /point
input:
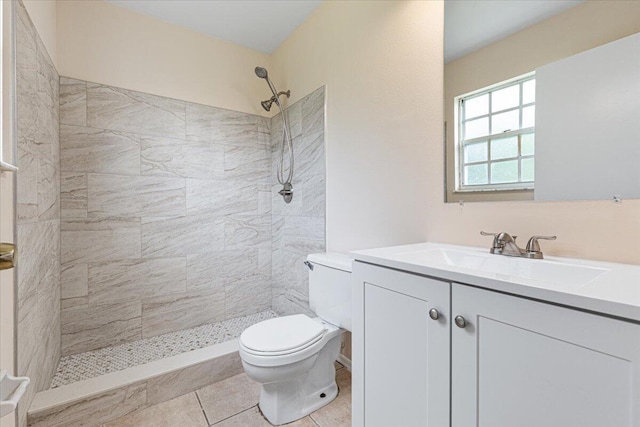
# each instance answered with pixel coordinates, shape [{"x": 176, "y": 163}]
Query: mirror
[{"x": 541, "y": 100}]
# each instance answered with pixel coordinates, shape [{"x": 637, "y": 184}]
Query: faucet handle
[
  {"x": 496, "y": 244},
  {"x": 533, "y": 247}
]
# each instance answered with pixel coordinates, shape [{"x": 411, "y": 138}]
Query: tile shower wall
[
  {"x": 298, "y": 228},
  {"x": 38, "y": 210},
  {"x": 166, "y": 215}
]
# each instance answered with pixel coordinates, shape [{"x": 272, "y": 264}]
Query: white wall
[
  {"x": 100, "y": 42},
  {"x": 382, "y": 64},
  {"x": 43, "y": 14}
]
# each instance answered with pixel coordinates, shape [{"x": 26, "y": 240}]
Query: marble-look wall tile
[
  {"x": 125, "y": 110},
  {"x": 313, "y": 112},
  {"x": 94, "y": 410},
  {"x": 309, "y": 154},
  {"x": 27, "y": 181},
  {"x": 247, "y": 295},
  {"x": 32, "y": 257},
  {"x": 164, "y": 202},
  {"x": 298, "y": 228},
  {"x": 313, "y": 196},
  {"x": 176, "y": 157},
  {"x": 303, "y": 227},
  {"x": 73, "y": 302},
  {"x": 211, "y": 270},
  {"x": 130, "y": 280},
  {"x": 287, "y": 304},
  {"x": 221, "y": 126},
  {"x": 169, "y": 313},
  {"x": 74, "y": 281},
  {"x": 73, "y": 195},
  {"x": 99, "y": 239},
  {"x": 205, "y": 271},
  {"x": 221, "y": 197},
  {"x": 181, "y": 236},
  {"x": 264, "y": 202},
  {"x": 148, "y": 196},
  {"x": 308, "y": 200},
  {"x": 192, "y": 378},
  {"x": 38, "y": 210},
  {"x": 264, "y": 125},
  {"x": 49, "y": 183},
  {"x": 87, "y": 328},
  {"x": 247, "y": 231},
  {"x": 73, "y": 102},
  {"x": 84, "y": 149},
  {"x": 26, "y": 75},
  {"x": 245, "y": 163}
]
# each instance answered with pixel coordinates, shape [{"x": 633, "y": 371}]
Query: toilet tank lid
[{"x": 332, "y": 259}]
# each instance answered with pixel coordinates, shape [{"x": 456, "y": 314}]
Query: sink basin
[{"x": 508, "y": 268}]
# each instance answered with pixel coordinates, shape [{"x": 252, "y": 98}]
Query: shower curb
[{"x": 98, "y": 400}]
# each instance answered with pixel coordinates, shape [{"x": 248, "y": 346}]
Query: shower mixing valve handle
[{"x": 286, "y": 192}]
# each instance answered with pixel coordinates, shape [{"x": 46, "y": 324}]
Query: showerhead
[
  {"x": 261, "y": 72},
  {"x": 267, "y": 104}
]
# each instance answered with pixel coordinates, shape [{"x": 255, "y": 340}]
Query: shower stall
[{"x": 151, "y": 234}]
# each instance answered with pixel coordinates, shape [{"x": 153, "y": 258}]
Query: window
[{"x": 496, "y": 129}]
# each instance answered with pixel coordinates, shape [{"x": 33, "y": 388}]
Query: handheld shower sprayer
[
  {"x": 263, "y": 74},
  {"x": 287, "y": 188}
]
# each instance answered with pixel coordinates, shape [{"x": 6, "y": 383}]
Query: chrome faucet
[{"x": 505, "y": 244}]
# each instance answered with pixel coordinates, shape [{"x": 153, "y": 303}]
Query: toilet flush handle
[{"x": 308, "y": 264}]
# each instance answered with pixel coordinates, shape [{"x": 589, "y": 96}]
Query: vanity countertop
[{"x": 602, "y": 287}]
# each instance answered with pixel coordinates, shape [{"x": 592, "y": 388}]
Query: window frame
[{"x": 460, "y": 143}]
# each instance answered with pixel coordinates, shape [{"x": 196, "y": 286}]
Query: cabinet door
[
  {"x": 522, "y": 363},
  {"x": 406, "y": 353}
]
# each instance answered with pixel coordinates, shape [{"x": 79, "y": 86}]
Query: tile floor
[{"x": 233, "y": 403}]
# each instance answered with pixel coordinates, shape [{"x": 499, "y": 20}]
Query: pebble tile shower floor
[{"x": 82, "y": 366}]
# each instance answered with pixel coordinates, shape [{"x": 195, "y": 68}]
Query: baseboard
[{"x": 344, "y": 361}]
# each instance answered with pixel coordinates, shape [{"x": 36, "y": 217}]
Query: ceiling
[
  {"x": 264, "y": 24},
  {"x": 257, "y": 24},
  {"x": 473, "y": 24}
]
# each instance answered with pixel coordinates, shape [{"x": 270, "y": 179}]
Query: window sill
[{"x": 493, "y": 190}]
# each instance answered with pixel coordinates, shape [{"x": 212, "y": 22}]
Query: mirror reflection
[{"x": 542, "y": 100}]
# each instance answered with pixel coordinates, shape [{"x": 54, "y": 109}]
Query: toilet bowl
[{"x": 293, "y": 356}]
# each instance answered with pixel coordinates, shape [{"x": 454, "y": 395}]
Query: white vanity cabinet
[
  {"x": 406, "y": 352},
  {"x": 524, "y": 363},
  {"x": 516, "y": 362}
]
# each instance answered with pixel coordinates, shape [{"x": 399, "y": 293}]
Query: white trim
[
  {"x": 344, "y": 361},
  {"x": 460, "y": 142}
]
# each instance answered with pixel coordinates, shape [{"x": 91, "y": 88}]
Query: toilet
[{"x": 293, "y": 356}]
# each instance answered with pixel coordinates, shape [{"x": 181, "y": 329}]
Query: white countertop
[{"x": 608, "y": 288}]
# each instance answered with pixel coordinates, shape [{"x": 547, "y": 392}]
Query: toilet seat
[
  {"x": 282, "y": 335},
  {"x": 256, "y": 347}
]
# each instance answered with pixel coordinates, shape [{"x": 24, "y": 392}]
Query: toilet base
[{"x": 286, "y": 401}]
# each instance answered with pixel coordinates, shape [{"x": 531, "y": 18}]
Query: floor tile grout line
[
  {"x": 313, "y": 420},
  {"x": 206, "y": 418},
  {"x": 238, "y": 413}
]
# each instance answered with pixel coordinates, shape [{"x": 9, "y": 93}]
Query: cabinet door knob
[
  {"x": 460, "y": 322},
  {"x": 434, "y": 314}
]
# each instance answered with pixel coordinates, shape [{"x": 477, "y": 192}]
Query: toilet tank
[{"x": 330, "y": 287}]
